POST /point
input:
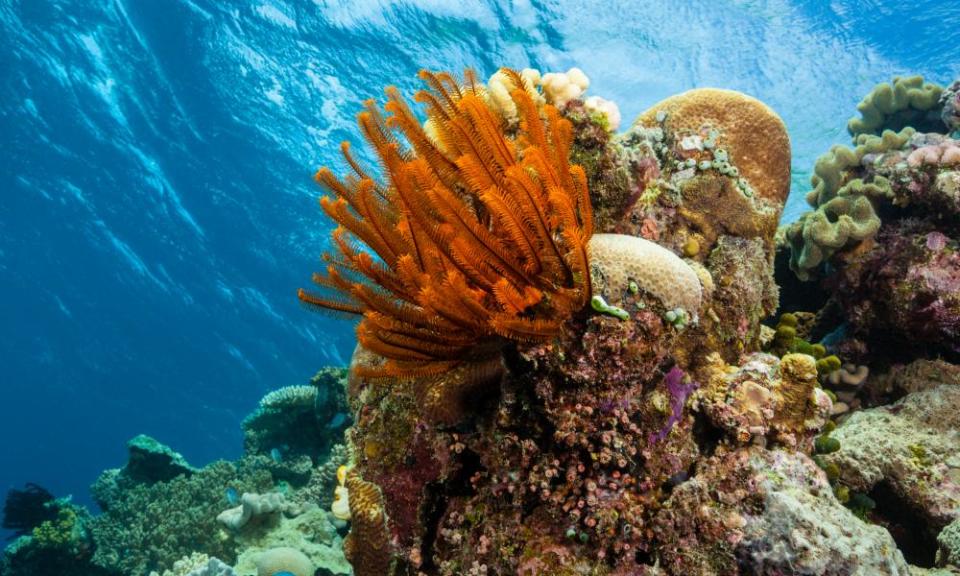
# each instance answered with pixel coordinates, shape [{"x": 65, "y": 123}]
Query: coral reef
[
  {"x": 882, "y": 238},
  {"x": 163, "y": 517},
  {"x": 57, "y": 541},
  {"x": 572, "y": 456},
  {"x": 530, "y": 397},
  {"x": 146, "y": 527}
]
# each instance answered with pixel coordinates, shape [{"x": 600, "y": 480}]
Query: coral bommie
[{"x": 476, "y": 236}]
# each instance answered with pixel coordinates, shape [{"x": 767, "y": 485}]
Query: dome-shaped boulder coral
[
  {"x": 621, "y": 263},
  {"x": 753, "y": 134},
  {"x": 282, "y": 560}
]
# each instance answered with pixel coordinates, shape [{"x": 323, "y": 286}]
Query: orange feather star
[{"x": 475, "y": 236}]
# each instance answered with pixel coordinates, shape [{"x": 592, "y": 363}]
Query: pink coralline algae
[
  {"x": 904, "y": 294},
  {"x": 946, "y": 153}
]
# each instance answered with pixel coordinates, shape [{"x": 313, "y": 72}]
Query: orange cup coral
[{"x": 475, "y": 237}]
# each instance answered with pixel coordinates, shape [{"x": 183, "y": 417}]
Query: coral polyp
[{"x": 475, "y": 236}]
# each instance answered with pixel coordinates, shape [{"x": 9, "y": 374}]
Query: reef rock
[
  {"x": 766, "y": 398},
  {"x": 906, "y": 456},
  {"x": 754, "y": 511},
  {"x": 150, "y": 461},
  {"x": 949, "y": 545}
]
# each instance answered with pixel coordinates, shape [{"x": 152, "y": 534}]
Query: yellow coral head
[
  {"x": 341, "y": 496},
  {"x": 341, "y": 503}
]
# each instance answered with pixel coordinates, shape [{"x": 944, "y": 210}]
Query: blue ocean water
[{"x": 156, "y": 209}]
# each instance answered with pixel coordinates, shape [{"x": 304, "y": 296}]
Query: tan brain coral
[
  {"x": 618, "y": 259},
  {"x": 754, "y": 136}
]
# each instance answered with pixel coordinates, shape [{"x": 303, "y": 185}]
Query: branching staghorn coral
[{"x": 475, "y": 236}]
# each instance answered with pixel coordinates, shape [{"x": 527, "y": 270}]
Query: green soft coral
[
  {"x": 906, "y": 102},
  {"x": 844, "y": 207},
  {"x": 844, "y": 212},
  {"x": 832, "y": 169},
  {"x": 840, "y": 223}
]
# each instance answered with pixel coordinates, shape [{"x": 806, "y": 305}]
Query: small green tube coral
[{"x": 600, "y": 305}]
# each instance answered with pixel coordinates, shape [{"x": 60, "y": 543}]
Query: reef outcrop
[
  {"x": 663, "y": 429},
  {"x": 576, "y": 449},
  {"x": 882, "y": 237}
]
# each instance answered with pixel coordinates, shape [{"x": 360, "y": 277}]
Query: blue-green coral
[{"x": 147, "y": 527}]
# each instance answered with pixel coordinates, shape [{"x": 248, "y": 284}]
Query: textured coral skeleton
[{"x": 475, "y": 237}]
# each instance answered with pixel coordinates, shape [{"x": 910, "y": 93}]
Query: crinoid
[{"x": 474, "y": 238}]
